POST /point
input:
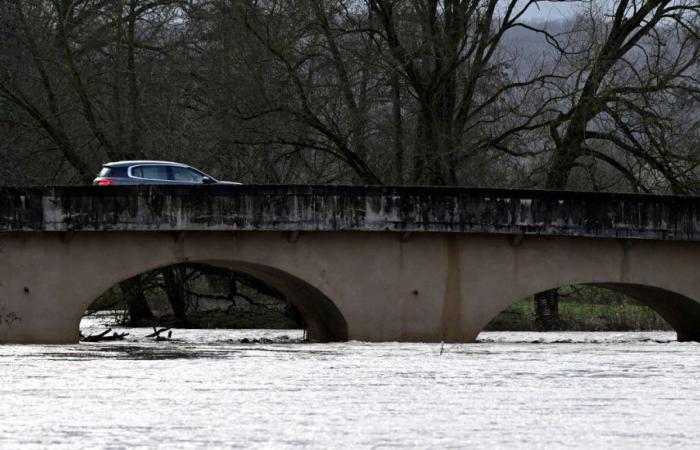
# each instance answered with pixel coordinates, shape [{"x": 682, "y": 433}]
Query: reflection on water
[{"x": 206, "y": 389}]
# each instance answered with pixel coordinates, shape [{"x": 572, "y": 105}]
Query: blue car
[{"x": 152, "y": 172}]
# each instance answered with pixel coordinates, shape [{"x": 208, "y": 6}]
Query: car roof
[{"x": 142, "y": 161}]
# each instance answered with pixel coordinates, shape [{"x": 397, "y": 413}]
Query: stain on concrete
[
  {"x": 8, "y": 318},
  {"x": 451, "y": 306},
  {"x": 350, "y": 208}
]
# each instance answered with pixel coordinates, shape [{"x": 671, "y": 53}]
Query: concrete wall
[
  {"x": 378, "y": 286},
  {"x": 349, "y": 208}
]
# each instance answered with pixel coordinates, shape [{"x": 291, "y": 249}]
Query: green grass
[
  {"x": 582, "y": 316},
  {"x": 581, "y": 308}
]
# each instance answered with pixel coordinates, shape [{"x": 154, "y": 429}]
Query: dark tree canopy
[{"x": 376, "y": 92}]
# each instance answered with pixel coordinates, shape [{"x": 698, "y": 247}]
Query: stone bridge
[{"x": 365, "y": 263}]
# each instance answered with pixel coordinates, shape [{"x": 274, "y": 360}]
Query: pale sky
[{"x": 549, "y": 11}]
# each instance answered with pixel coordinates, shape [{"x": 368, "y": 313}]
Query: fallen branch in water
[
  {"x": 156, "y": 333},
  {"x": 160, "y": 338},
  {"x": 103, "y": 336}
]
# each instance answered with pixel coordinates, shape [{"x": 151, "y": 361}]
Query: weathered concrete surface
[
  {"x": 350, "y": 208},
  {"x": 348, "y": 285},
  {"x": 367, "y": 263}
]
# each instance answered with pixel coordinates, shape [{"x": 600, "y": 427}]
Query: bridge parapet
[{"x": 349, "y": 208}]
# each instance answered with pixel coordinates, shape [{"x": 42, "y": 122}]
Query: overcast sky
[{"x": 549, "y": 11}]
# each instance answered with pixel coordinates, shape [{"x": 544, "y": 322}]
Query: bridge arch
[
  {"x": 681, "y": 312},
  {"x": 324, "y": 320}
]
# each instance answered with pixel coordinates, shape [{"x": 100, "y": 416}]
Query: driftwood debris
[
  {"x": 261, "y": 340},
  {"x": 104, "y": 336},
  {"x": 101, "y": 337},
  {"x": 156, "y": 334},
  {"x": 161, "y": 338}
]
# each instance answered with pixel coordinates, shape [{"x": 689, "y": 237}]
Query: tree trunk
[
  {"x": 547, "y": 302},
  {"x": 117, "y": 76},
  {"x": 134, "y": 110},
  {"x": 428, "y": 167},
  {"x": 137, "y": 306},
  {"x": 397, "y": 120},
  {"x": 562, "y": 163},
  {"x": 173, "y": 278},
  {"x": 232, "y": 289},
  {"x": 547, "y": 309}
]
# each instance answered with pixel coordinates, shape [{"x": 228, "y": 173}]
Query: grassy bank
[
  {"x": 582, "y": 316},
  {"x": 520, "y": 316},
  {"x": 581, "y": 308}
]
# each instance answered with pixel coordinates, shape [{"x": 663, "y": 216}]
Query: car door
[{"x": 185, "y": 175}]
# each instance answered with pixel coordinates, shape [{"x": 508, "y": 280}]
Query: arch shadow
[
  {"x": 680, "y": 312},
  {"x": 325, "y": 322}
]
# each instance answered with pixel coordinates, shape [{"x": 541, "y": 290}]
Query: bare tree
[
  {"x": 451, "y": 55},
  {"x": 623, "y": 72},
  {"x": 56, "y": 79}
]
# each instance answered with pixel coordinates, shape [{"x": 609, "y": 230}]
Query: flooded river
[{"x": 206, "y": 389}]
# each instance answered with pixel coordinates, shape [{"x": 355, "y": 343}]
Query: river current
[{"x": 206, "y": 389}]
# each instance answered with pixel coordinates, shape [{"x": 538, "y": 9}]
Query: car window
[
  {"x": 118, "y": 172},
  {"x": 113, "y": 172},
  {"x": 185, "y": 174},
  {"x": 150, "y": 172}
]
